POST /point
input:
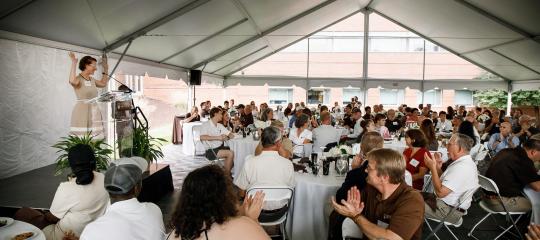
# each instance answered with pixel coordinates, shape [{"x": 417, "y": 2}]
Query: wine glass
[{"x": 341, "y": 165}]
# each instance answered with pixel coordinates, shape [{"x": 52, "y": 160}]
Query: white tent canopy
[{"x": 224, "y": 36}]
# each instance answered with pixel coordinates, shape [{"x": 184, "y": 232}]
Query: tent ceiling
[{"x": 224, "y": 36}]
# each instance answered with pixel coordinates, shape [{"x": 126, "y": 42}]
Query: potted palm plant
[
  {"x": 102, "y": 151},
  {"x": 146, "y": 146}
]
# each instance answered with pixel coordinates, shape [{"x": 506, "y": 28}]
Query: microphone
[{"x": 121, "y": 84}]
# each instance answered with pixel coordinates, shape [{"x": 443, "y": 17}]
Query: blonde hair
[
  {"x": 370, "y": 141},
  {"x": 389, "y": 163}
]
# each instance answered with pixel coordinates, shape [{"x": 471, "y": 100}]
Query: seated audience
[
  {"x": 380, "y": 125},
  {"x": 348, "y": 122},
  {"x": 267, "y": 115},
  {"x": 192, "y": 116},
  {"x": 493, "y": 124},
  {"x": 512, "y": 170},
  {"x": 434, "y": 117},
  {"x": 213, "y": 134},
  {"x": 413, "y": 117},
  {"x": 443, "y": 125},
  {"x": 325, "y": 133},
  {"x": 357, "y": 119},
  {"x": 414, "y": 156},
  {"x": 246, "y": 116},
  {"x": 295, "y": 115},
  {"x": 503, "y": 139},
  {"x": 459, "y": 177},
  {"x": 286, "y": 148},
  {"x": 468, "y": 129},
  {"x": 387, "y": 208},
  {"x": 268, "y": 168},
  {"x": 429, "y": 131},
  {"x": 76, "y": 202},
  {"x": 392, "y": 123},
  {"x": 300, "y": 135},
  {"x": 366, "y": 126},
  {"x": 227, "y": 122},
  {"x": 368, "y": 114},
  {"x": 524, "y": 129},
  {"x": 126, "y": 217},
  {"x": 208, "y": 208}
]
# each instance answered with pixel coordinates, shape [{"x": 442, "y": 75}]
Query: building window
[
  {"x": 463, "y": 97},
  {"x": 280, "y": 96},
  {"x": 433, "y": 97},
  {"x": 318, "y": 96},
  {"x": 391, "y": 96},
  {"x": 349, "y": 93}
]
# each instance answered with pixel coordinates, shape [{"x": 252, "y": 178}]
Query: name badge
[
  {"x": 87, "y": 83},
  {"x": 382, "y": 224},
  {"x": 395, "y": 123},
  {"x": 414, "y": 162}
]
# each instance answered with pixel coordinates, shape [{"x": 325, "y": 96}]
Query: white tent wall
[{"x": 37, "y": 100}]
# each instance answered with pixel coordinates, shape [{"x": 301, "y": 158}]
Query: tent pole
[
  {"x": 121, "y": 57},
  {"x": 365, "y": 55},
  {"x": 509, "y": 100},
  {"x": 423, "y": 74}
]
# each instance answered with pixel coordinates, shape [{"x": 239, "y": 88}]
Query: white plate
[
  {"x": 35, "y": 234},
  {"x": 9, "y": 221}
]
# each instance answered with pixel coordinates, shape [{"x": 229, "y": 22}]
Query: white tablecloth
[
  {"x": 187, "y": 134},
  {"x": 242, "y": 147},
  {"x": 18, "y": 227},
  {"x": 311, "y": 206},
  {"x": 534, "y": 197}
]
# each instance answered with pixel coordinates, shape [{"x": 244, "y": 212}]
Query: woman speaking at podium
[{"x": 86, "y": 117}]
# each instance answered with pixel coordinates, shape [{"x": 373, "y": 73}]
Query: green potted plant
[
  {"x": 102, "y": 151},
  {"x": 146, "y": 146}
]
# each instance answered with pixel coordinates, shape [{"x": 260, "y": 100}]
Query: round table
[
  {"x": 18, "y": 227},
  {"x": 188, "y": 147},
  {"x": 242, "y": 147},
  {"x": 311, "y": 206}
]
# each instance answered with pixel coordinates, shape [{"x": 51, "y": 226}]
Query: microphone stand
[{"x": 129, "y": 90}]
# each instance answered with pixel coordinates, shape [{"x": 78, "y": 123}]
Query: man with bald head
[{"x": 504, "y": 139}]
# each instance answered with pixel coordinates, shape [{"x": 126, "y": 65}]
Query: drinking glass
[{"x": 341, "y": 165}]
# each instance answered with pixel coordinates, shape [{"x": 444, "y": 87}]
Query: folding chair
[
  {"x": 280, "y": 196},
  {"x": 489, "y": 185},
  {"x": 442, "y": 222},
  {"x": 349, "y": 229},
  {"x": 483, "y": 152}
]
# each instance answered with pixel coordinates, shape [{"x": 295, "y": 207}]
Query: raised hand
[
  {"x": 352, "y": 207},
  {"x": 252, "y": 205},
  {"x": 72, "y": 56},
  {"x": 434, "y": 162},
  {"x": 533, "y": 233}
]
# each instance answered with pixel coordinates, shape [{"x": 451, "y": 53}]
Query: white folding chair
[
  {"x": 482, "y": 153},
  {"x": 276, "y": 197},
  {"x": 349, "y": 229},
  {"x": 489, "y": 185},
  {"x": 442, "y": 222}
]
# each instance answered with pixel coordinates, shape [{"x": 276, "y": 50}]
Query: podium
[{"x": 120, "y": 127}]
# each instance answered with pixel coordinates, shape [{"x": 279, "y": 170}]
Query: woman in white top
[
  {"x": 300, "y": 135},
  {"x": 208, "y": 209},
  {"x": 380, "y": 122},
  {"x": 80, "y": 200},
  {"x": 265, "y": 120}
]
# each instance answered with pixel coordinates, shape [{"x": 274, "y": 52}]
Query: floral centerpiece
[{"x": 340, "y": 150}]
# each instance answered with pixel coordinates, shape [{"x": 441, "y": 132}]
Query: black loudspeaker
[{"x": 195, "y": 77}]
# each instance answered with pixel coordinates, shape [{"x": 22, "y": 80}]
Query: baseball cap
[{"x": 124, "y": 174}]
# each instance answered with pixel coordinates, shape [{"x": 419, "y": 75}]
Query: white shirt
[
  {"x": 324, "y": 134},
  {"x": 76, "y": 206},
  {"x": 262, "y": 125},
  {"x": 298, "y": 140},
  {"x": 211, "y": 129},
  {"x": 460, "y": 176},
  {"x": 357, "y": 129},
  {"x": 266, "y": 169},
  {"x": 128, "y": 219},
  {"x": 445, "y": 126}
]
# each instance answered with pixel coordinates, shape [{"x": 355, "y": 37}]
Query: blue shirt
[{"x": 503, "y": 142}]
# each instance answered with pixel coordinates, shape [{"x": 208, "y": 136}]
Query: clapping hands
[
  {"x": 352, "y": 207},
  {"x": 433, "y": 163},
  {"x": 252, "y": 205}
]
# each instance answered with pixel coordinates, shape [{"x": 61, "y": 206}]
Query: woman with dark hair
[
  {"x": 367, "y": 126},
  {"x": 300, "y": 135},
  {"x": 265, "y": 119},
  {"x": 208, "y": 209},
  {"x": 380, "y": 122},
  {"x": 414, "y": 156},
  {"x": 429, "y": 131},
  {"x": 85, "y": 117},
  {"x": 193, "y": 116},
  {"x": 77, "y": 202},
  {"x": 467, "y": 128}
]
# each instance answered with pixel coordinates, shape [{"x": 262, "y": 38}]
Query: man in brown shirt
[{"x": 391, "y": 209}]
